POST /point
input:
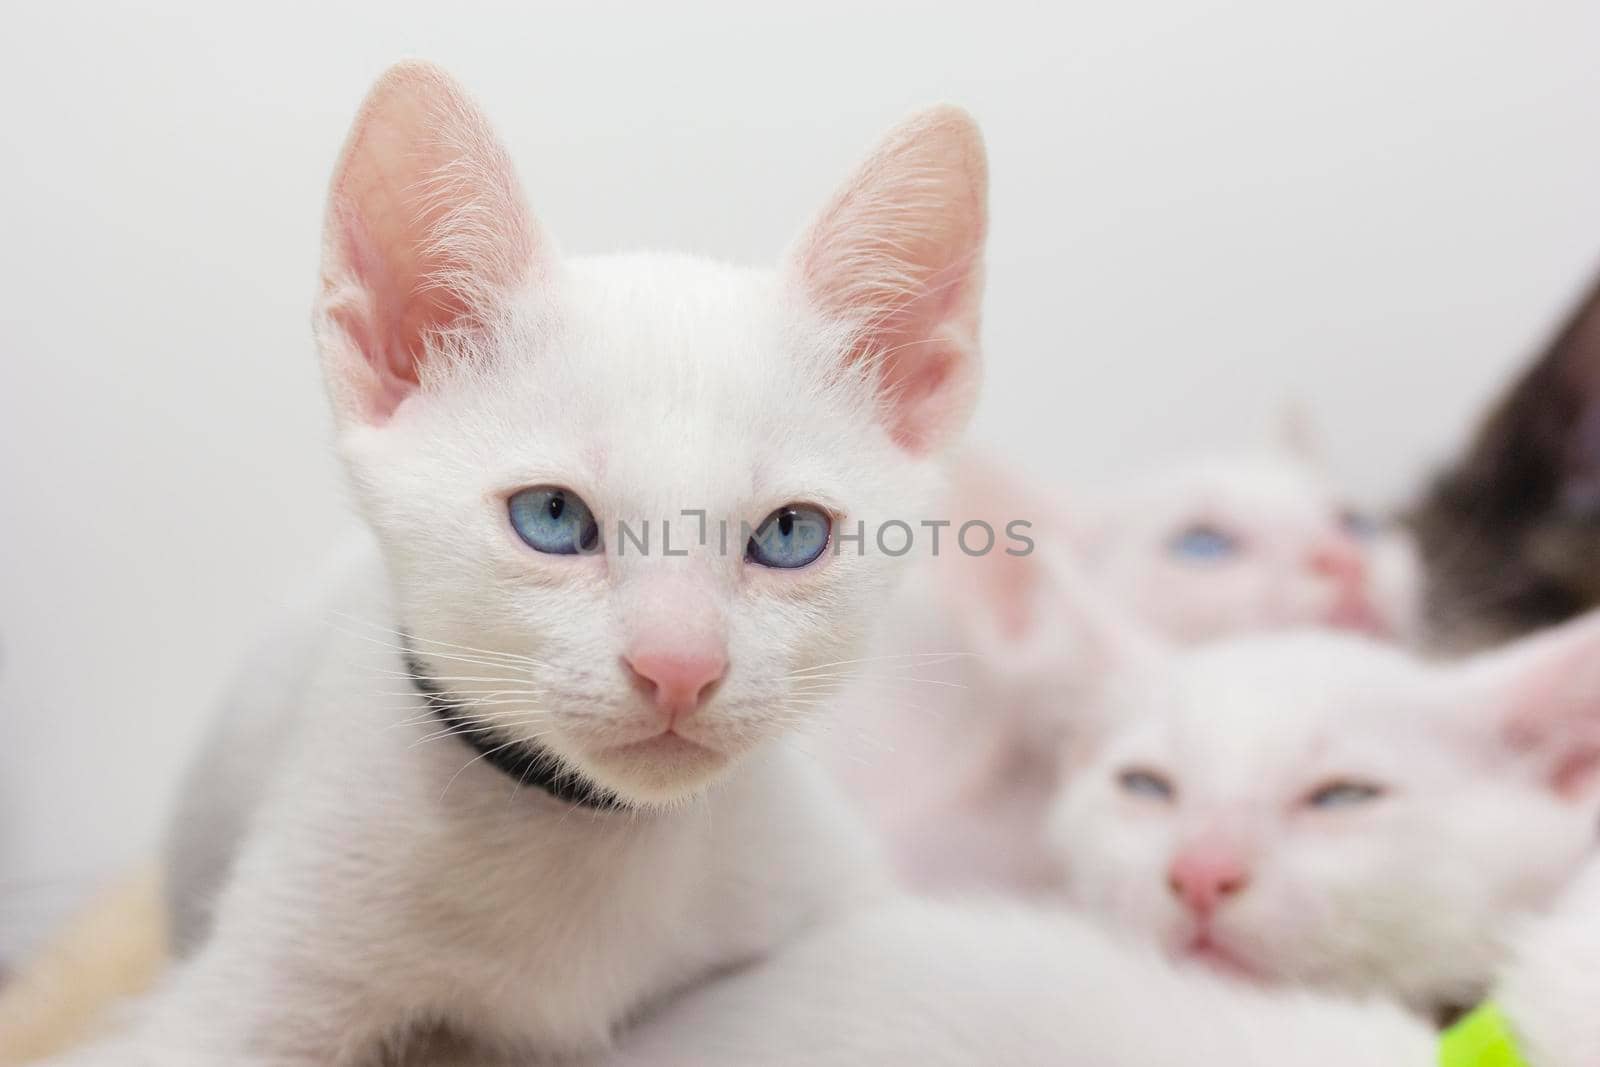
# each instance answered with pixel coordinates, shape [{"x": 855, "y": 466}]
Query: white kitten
[
  {"x": 927, "y": 983},
  {"x": 630, "y": 820},
  {"x": 953, "y": 756},
  {"x": 919, "y": 982},
  {"x": 940, "y": 984},
  {"x": 1320, "y": 808}
]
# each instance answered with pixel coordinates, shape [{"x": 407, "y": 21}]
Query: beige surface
[{"x": 114, "y": 948}]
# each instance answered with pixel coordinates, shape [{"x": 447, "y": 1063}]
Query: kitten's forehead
[
  {"x": 677, "y": 383},
  {"x": 1310, "y": 663},
  {"x": 1258, "y": 706},
  {"x": 1265, "y": 486},
  {"x": 669, "y": 329}
]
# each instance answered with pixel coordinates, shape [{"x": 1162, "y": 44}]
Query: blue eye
[
  {"x": 790, "y": 537},
  {"x": 1343, "y": 794},
  {"x": 1357, "y": 524},
  {"x": 1143, "y": 783},
  {"x": 554, "y": 520},
  {"x": 1203, "y": 542}
]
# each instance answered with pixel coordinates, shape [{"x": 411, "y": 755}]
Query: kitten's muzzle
[{"x": 676, "y": 682}]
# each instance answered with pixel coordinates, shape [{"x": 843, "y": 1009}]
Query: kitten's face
[
  {"x": 526, "y": 433},
  {"x": 1236, "y": 545},
  {"x": 661, "y": 385},
  {"x": 1311, "y": 808}
]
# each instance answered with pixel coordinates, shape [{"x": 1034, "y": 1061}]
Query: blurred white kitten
[
  {"x": 953, "y": 755},
  {"x": 1324, "y": 809},
  {"x": 936, "y": 984},
  {"x": 928, "y": 983}
]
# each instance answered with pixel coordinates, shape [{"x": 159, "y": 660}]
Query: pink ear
[
  {"x": 1001, "y": 590},
  {"x": 898, "y": 256},
  {"x": 426, "y": 231},
  {"x": 1038, "y": 613},
  {"x": 1543, "y": 699},
  {"x": 1300, "y": 436}
]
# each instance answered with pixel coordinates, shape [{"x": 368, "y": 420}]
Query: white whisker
[
  {"x": 481, "y": 755},
  {"x": 415, "y": 640},
  {"x": 921, "y": 656}
]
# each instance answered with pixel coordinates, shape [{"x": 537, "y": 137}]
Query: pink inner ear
[
  {"x": 921, "y": 366},
  {"x": 426, "y": 228},
  {"x": 898, "y": 253},
  {"x": 390, "y": 350},
  {"x": 1551, "y": 704},
  {"x": 1001, "y": 590},
  {"x": 1576, "y": 773}
]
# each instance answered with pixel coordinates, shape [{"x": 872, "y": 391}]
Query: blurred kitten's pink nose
[
  {"x": 1204, "y": 875},
  {"x": 1340, "y": 559},
  {"x": 677, "y": 680}
]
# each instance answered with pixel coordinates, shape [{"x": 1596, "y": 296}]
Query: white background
[{"x": 1201, "y": 211}]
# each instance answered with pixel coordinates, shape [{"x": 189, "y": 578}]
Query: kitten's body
[
  {"x": 534, "y": 777},
  {"x": 920, "y": 982},
  {"x": 1310, "y": 808},
  {"x": 951, "y": 746},
  {"x": 926, "y": 983},
  {"x": 519, "y": 918}
]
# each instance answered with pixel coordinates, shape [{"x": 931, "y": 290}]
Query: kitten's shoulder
[{"x": 257, "y": 725}]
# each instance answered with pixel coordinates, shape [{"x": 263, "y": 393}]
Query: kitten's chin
[
  {"x": 657, "y": 772},
  {"x": 1205, "y": 950},
  {"x": 1360, "y": 614}
]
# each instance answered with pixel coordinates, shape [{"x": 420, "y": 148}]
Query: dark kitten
[{"x": 1510, "y": 532}]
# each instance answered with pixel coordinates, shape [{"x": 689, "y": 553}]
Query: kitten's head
[
  {"x": 1510, "y": 532},
  {"x": 1259, "y": 542},
  {"x": 1319, "y": 808},
  {"x": 517, "y": 422},
  {"x": 1210, "y": 548}
]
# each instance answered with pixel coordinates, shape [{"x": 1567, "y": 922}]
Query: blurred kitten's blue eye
[
  {"x": 1142, "y": 783},
  {"x": 1359, "y": 524},
  {"x": 790, "y": 537},
  {"x": 1204, "y": 542},
  {"x": 1343, "y": 794},
  {"x": 554, "y": 520}
]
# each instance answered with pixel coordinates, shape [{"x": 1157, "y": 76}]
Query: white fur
[
  {"x": 986, "y": 662},
  {"x": 388, "y": 880},
  {"x": 927, "y": 983},
  {"x": 1284, "y": 511},
  {"x": 937, "y": 984},
  {"x": 1549, "y": 992},
  {"x": 1488, "y": 805}
]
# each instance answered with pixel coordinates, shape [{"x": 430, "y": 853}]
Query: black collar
[{"x": 525, "y": 762}]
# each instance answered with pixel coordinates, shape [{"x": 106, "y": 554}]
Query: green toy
[{"x": 1481, "y": 1039}]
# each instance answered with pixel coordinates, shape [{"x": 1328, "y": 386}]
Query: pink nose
[
  {"x": 1204, "y": 876},
  {"x": 677, "y": 681},
  {"x": 1339, "y": 559}
]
